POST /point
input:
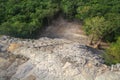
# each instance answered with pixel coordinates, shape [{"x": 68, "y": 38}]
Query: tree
[
  {"x": 97, "y": 28},
  {"x": 114, "y": 19},
  {"x": 68, "y": 8},
  {"x": 112, "y": 55},
  {"x": 82, "y": 12},
  {"x": 38, "y": 13},
  {"x": 23, "y": 18}
]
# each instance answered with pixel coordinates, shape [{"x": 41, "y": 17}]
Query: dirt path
[{"x": 62, "y": 28}]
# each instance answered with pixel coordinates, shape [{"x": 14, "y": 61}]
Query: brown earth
[{"x": 62, "y": 28}]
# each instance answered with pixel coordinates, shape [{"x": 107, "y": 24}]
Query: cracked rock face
[{"x": 58, "y": 59}]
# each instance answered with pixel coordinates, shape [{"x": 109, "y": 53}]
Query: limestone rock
[
  {"x": 109, "y": 76},
  {"x": 56, "y": 59},
  {"x": 13, "y": 46}
]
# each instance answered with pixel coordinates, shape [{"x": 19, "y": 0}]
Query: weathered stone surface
[
  {"x": 23, "y": 70},
  {"x": 109, "y": 76},
  {"x": 31, "y": 77},
  {"x": 13, "y": 46},
  {"x": 58, "y": 59}
]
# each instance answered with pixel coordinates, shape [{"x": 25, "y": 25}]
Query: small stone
[
  {"x": 13, "y": 46},
  {"x": 89, "y": 65}
]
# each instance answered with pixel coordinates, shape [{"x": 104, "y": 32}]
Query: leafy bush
[
  {"x": 68, "y": 8},
  {"x": 97, "y": 28},
  {"x": 22, "y": 18},
  {"x": 112, "y": 55},
  {"x": 18, "y": 16}
]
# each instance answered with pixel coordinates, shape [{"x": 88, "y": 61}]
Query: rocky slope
[{"x": 52, "y": 59}]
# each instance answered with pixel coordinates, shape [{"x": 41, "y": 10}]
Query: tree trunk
[
  {"x": 91, "y": 40},
  {"x": 97, "y": 45}
]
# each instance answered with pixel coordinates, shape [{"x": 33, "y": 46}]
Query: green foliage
[
  {"x": 82, "y": 12},
  {"x": 68, "y": 8},
  {"x": 27, "y": 16},
  {"x": 96, "y": 26},
  {"x": 109, "y": 10},
  {"x": 88, "y": 9},
  {"x": 114, "y": 19},
  {"x": 112, "y": 55},
  {"x": 22, "y": 18}
]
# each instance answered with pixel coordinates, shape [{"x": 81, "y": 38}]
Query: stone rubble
[{"x": 52, "y": 59}]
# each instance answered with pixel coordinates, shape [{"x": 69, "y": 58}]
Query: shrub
[
  {"x": 22, "y": 18},
  {"x": 112, "y": 55},
  {"x": 97, "y": 28}
]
